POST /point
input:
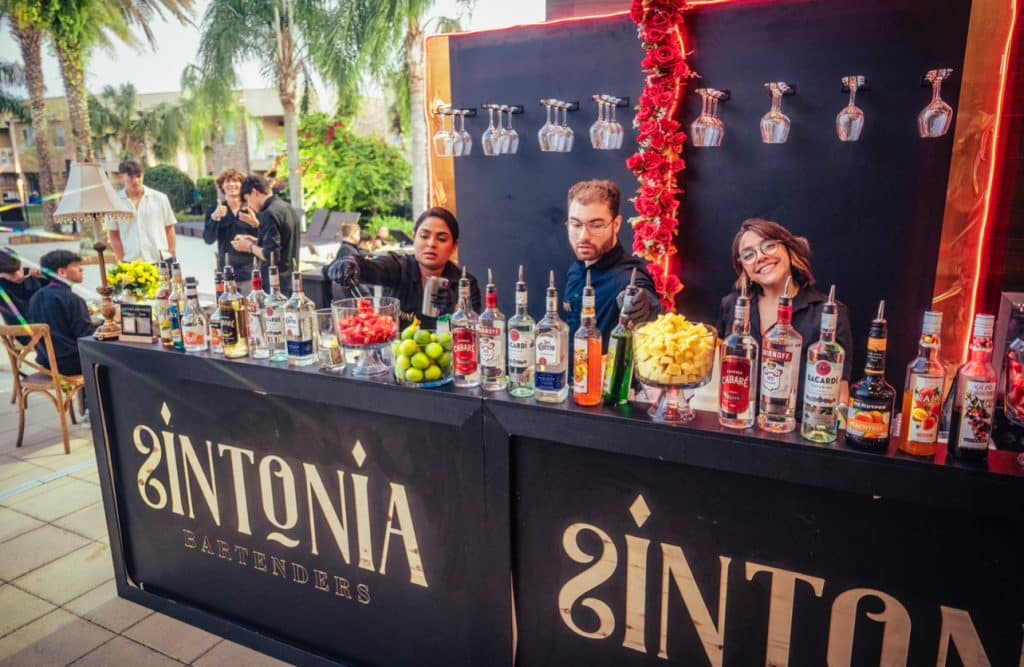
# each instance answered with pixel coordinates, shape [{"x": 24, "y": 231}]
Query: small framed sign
[{"x": 137, "y": 323}]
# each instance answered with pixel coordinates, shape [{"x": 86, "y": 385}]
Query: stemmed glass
[
  {"x": 936, "y": 118},
  {"x": 467, "y": 138},
  {"x": 775, "y": 124},
  {"x": 567, "y": 134},
  {"x": 510, "y": 137},
  {"x": 615, "y": 133},
  {"x": 444, "y": 141},
  {"x": 546, "y": 134},
  {"x": 598, "y": 130},
  {"x": 491, "y": 139},
  {"x": 850, "y": 121},
  {"x": 707, "y": 130}
]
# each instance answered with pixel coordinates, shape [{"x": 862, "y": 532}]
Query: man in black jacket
[
  {"x": 16, "y": 287},
  {"x": 278, "y": 233},
  {"x": 65, "y": 312}
]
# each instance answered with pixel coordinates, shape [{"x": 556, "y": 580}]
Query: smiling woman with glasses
[{"x": 767, "y": 253}]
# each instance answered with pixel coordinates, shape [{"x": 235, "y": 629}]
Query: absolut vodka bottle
[
  {"x": 491, "y": 338},
  {"x": 552, "y": 349},
  {"x": 521, "y": 354},
  {"x": 466, "y": 357}
]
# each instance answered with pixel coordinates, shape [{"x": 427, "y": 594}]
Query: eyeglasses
[
  {"x": 594, "y": 227},
  {"x": 767, "y": 247}
]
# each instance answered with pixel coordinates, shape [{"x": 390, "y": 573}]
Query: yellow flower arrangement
[{"x": 139, "y": 279}]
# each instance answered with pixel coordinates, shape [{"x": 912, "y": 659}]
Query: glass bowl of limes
[{"x": 423, "y": 358}]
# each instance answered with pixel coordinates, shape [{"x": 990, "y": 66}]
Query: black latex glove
[
  {"x": 638, "y": 309},
  {"x": 344, "y": 270},
  {"x": 443, "y": 300}
]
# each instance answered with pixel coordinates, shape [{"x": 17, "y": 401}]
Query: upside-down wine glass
[
  {"x": 936, "y": 118},
  {"x": 775, "y": 124},
  {"x": 615, "y": 131},
  {"x": 510, "y": 135},
  {"x": 568, "y": 136},
  {"x": 467, "y": 138},
  {"x": 850, "y": 121},
  {"x": 443, "y": 139},
  {"x": 491, "y": 139},
  {"x": 545, "y": 135},
  {"x": 597, "y": 130}
]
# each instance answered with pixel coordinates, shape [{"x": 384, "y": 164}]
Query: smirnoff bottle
[
  {"x": 491, "y": 338},
  {"x": 780, "y": 368},
  {"x": 216, "y": 337},
  {"x": 193, "y": 321},
  {"x": 552, "y": 351},
  {"x": 521, "y": 357},
  {"x": 974, "y": 397},
  {"x": 922, "y": 393},
  {"x": 233, "y": 322},
  {"x": 823, "y": 376},
  {"x": 586, "y": 353},
  {"x": 256, "y": 305},
  {"x": 163, "y": 312},
  {"x": 738, "y": 369},
  {"x": 175, "y": 306},
  {"x": 869, "y": 413},
  {"x": 464, "y": 324},
  {"x": 300, "y": 325},
  {"x": 618, "y": 375},
  {"x": 274, "y": 317}
]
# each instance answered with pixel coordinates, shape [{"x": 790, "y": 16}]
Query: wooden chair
[{"x": 30, "y": 376}]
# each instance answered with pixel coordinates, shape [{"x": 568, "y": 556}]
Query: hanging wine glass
[
  {"x": 568, "y": 136},
  {"x": 457, "y": 147},
  {"x": 775, "y": 124},
  {"x": 490, "y": 141},
  {"x": 850, "y": 121},
  {"x": 615, "y": 131},
  {"x": 545, "y": 135},
  {"x": 443, "y": 139},
  {"x": 719, "y": 132},
  {"x": 467, "y": 138},
  {"x": 512, "y": 146},
  {"x": 597, "y": 130},
  {"x": 936, "y": 118}
]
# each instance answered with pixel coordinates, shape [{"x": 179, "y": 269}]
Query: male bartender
[{"x": 593, "y": 227}]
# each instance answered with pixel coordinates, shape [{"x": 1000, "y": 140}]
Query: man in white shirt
[{"x": 152, "y": 229}]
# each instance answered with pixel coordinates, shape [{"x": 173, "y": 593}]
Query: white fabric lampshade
[{"x": 89, "y": 195}]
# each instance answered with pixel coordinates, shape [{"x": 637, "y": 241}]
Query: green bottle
[{"x": 618, "y": 375}]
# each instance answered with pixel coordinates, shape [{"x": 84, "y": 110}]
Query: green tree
[
  {"x": 209, "y": 106},
  {"x": 117, "y": 121},
  {"x": 174, "y": 183},
  {"x": 12, "y": 74}
]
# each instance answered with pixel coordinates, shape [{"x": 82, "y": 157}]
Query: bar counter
[{"x": 327, "y": 520}]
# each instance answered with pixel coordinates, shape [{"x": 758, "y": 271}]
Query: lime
[
  {"x": 432, "y": 373},
  {"x": 420, "y": 361},
  {"x": 445, "y": 360},
  {"x": 433, "y": 350},
  {"x": 402, "y": 362},
  {"x": 408, "y": 348},
  {"x": 395, "y": 348},
  {"x": 446, "y": 341},
  {"x": 422, "y": 337},
  {"x": 414, "y": 375},
  {"x": 409, "y": 331},
  {"x": 433, "y": 337}
]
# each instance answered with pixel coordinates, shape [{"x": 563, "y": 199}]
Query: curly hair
[
  {"x": 229, "y": 175},
  {"x": 798, "y": 247}
]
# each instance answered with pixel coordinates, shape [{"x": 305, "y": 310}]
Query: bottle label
[
  {"x": 828, "y": 322},
  {"x": 256, "y": 329},
  {"x": 275, "y": 325},
  {"x": 549, "y": 381},
  {"x": 521, "y": 298},
  {"x": 520, "y": 349},
  {"x": 195, "y": 336},
  {"x": 299, "y": 331},
  {"x": 216, "y": 339},
  {"x": 228, "y": 327},
  {"x": 735, "y": 389},
  {"x": 548, "y": 350},
  {"x": 580, "y": 369},
  {"x": 778, "y": 373},
  {"x": 925, "y": 404},
  {"x": 821, "y": 382},
  {"x": 976, "y": 419},
  {"x": 868, "y": 419},
  {"x": 465, "y": 351},
  {"x": 492, "y": 346},
  {"x": 164, "y": 318},
  {"x": 875, "y": 358}
]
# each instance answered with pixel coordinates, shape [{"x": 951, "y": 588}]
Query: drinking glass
[
  {"x": 332, "y": 358},
  {"x": 491, "y": 139},
  {"x": 615, "y": 131},
  {"x": 775, "y": 124},
  {"x": 457, "y": 147},
  {"x": 443, "y": 139},
  {"x": 598, "y": 130},
  {"x": 936, "y": 118},
  {"x": 567, "y": 134},
  {"x": 850, "y": 120},
  {"x": 467, "y": 138},
  {"x": 510, "y": 136},
  {"x": 545, "y": 135},
  {"x": 702, "y": 127}
]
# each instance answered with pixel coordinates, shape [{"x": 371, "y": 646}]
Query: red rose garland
[{"x": 658, "y": 161}]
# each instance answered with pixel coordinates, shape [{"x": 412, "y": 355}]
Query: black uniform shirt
[
  {"x": 278, "y": 234},
  {"x": 221, "y": 232},
  {"x": 401, "y": 273}
]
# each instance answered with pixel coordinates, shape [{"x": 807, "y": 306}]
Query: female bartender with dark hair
[
  {"x": 436, "y": 237},
  {"x": 767, "y": 253}
]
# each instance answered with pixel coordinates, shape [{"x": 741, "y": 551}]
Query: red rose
[
  {"x": 636, "y": 12},
  {"x": 649, "y": 62},
  {"x": 664, "y": 98},
  {"x": 654, "y": 35},
  {"x": 647, "y": 207},
  {"x": 658, "y": 142},
  {"x": 645, "y": 113},
  {"x": 659, "y": 20},
  {"x": 634, "y": 161}
]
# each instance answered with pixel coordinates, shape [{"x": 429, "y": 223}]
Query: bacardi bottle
[
  {"x": 869, "y": 413},
  {"x": 586, "y": 352},
  {"x": 163, "y": 302},
  {"x": 193, "y": 321},
  {"x": 823, "y": 377},
  {"x": 300, "y": 325},
  {"x": 737, "y": 393},
  {"x": 618, "y": 375},
  {"x": 256, "y": 307},
  {"x": 274, "y": 320},
  {"x": 780, "y": 368},
  {"x": 491, "y": 338},
  {"x": 233, "y": 324},
  {"x": 464, "y": 343},
  {"x": 521, "y": 356},
  {"x": 552, "y": 351},
  {"x": 922, "y": 393},
  {"x": 974, "y": 397}
]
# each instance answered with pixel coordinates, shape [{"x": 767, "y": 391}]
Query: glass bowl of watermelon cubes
[{"x": 366, "y": 328}]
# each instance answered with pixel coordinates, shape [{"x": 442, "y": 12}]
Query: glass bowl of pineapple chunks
[{"x": 677, "y": 356}]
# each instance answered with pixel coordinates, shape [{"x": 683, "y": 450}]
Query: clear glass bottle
[
  {"x": 737, "y": 394},
  {"x": 922, "y": 393},
  {"x": 780, "y": 368},
  {"x": 491, "y": 339},
  {"x": 974, "y": 397},
  {"x": 233, "y": 325},
  {"x": 618, "y": 375},
  {"x": 464, "y": 343},
  {"x": 521, "y": 352},
  {"x": 163, "y": 302},
  {"x": 552, "y": 345},
  {"x": 175, "y": 306},
  {"x": 274, "y": 320},
  {"x": 216, "y": 339},
  {"x": 869, "y": 412},
  {"x": 193, "y": 320},
  {"x": 300, "y": 325},
  {"x": 256, "y": 305},
  {"x": 586, "y": 352},
  {"x": 823, "y": 377}
]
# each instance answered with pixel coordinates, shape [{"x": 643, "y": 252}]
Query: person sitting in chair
[{"x": 65, "y": 312}]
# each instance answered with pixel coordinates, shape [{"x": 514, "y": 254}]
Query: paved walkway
[{"x": 58, "y": 602}]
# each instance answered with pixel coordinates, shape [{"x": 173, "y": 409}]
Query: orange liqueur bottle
[
  {"x": 922, "y": 392},
  {"x": 586, "y": 353}
]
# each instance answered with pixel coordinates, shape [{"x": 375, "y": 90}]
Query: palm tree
[
  {"x": 12, "y": 74},
  {"x": 209, "y": 105},
  {"x": 117, "y": 121}
]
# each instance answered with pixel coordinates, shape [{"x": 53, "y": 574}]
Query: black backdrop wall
[{"x": 872, "y": 209}]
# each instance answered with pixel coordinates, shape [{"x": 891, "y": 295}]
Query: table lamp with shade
[{"x": 90, "y": 198}]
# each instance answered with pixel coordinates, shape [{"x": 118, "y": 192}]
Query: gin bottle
[
  {"x": 256, "y": 304},
  {"x": 552, "y": 344},
  {"x": 300, "y": 325},
  {"x": 464, "y": 343},
  {"x": 193, "y": 321},
  {"x": 274, "y": 317},
  {"x": 738, "y": 369},
  {"x": 974, "y": 397},
  {"x": 780, "y": 368},
  {"x": 823, "y": 376},
  {"x": 521, "y": 355},
  {"x": 491, "y": 338}
]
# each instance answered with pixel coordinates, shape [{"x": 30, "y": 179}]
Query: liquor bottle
[
  {"x": 738, "y": 369},
  {"x": 974, "y": 397},
  {"x": 922, "y": 393},
  {"x": 780, "y": 368},
  {"x": 618, "y": 376},
  {"x": 176, "y": 305},
  {"x": 552, "y": 351},
  {"x": 216, "y": 339},
  {"x": 464, "y": 345},
  {"x": 232, "y": 318},
  {"x": 163, "y": 313},
  {"x": 193, "y": 320},
  {"x": 586, "y": 352},
  {"x": 1013, "y": 371},
  {"x": 491, "y": 338},
  {"x": 274, "y": 320},
  {"x": 256, "y": 304},
  {"x": 521, "y": 354},
  {"x": 300, "y": 325},
  {"x": 869, "y": 413},
  {"x": 823, "y": 377}
]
